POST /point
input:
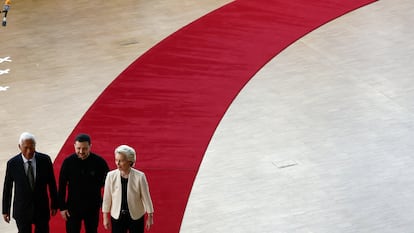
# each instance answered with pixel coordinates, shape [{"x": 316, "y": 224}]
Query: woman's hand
[
  {"x": 106, "y": 221},
  {"x": 150, "y": 220}
]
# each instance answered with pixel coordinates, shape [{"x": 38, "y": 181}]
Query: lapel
[
  {"x": 36, "y": 157},
  {"x": 20, "y": 165},
  {"x": 131, "y": 180},
  {"x": 118, "y": 179}
]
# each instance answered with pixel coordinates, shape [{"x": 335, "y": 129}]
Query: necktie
[{"x": 30, "y": 174}]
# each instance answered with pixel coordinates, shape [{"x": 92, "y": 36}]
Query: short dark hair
[{"x": 83, "y": 138}]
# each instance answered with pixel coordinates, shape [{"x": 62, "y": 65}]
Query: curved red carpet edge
[{"x": 168, "y": 103}]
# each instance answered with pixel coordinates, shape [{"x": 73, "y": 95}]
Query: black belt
[{"x": 124, "y": 212}]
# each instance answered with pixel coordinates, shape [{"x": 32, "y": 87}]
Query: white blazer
[{"x": 138, "y": 196}]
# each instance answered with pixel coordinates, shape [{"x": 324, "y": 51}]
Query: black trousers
[
  {"x": 40, "y": 226},
  {"x": 90, "y": 220},
  {"x": 126, "y": 224}
]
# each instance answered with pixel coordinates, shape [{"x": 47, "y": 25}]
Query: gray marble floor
[{"x": 320, "y": 140}]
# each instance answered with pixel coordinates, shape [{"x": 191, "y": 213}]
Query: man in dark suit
[{"x": 32, "y": 174}]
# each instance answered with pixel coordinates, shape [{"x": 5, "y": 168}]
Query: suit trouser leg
[
  {"x": 91, "y": 221},
  {"x": 73, "y": 224},
  {"x": 42, "y": 226},
  {"x": 120, "y": 225},
  {"x": 137, "y": 226},
  {"x": 126, "y": 224},
  {"x": 24, "y": 226}
]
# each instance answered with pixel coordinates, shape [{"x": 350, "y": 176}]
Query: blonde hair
[{"x": 128, "y": 151}]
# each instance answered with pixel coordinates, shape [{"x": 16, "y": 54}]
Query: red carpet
[{"x": 168, "y": 103}]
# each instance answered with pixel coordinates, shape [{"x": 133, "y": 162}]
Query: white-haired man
[{"x": 32, "y": 175}]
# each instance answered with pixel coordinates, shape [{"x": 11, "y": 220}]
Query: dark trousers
[
  {"x": 90, "y": 221},
  {"x": 39, "y": 226},
  {"x": 126, "y": 224}
]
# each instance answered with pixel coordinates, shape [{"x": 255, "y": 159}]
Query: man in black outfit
[
  {"x": 32, "y": 175},
  {"x": 82, "y": 177}
]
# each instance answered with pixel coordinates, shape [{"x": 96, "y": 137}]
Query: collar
[{"x": 32, "y": 159}]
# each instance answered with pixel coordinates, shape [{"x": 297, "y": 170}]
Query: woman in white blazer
[{"x": 126, "y": 195}]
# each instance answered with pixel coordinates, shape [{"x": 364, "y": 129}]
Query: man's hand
[
  {"x": 65, "y": 214},
  {"x": 6, "y": 218}
]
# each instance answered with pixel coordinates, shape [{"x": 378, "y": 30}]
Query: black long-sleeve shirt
[{"x": 81, "y": 182}]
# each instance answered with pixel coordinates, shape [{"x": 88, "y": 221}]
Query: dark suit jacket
[{"x": 30, "y": 205}]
